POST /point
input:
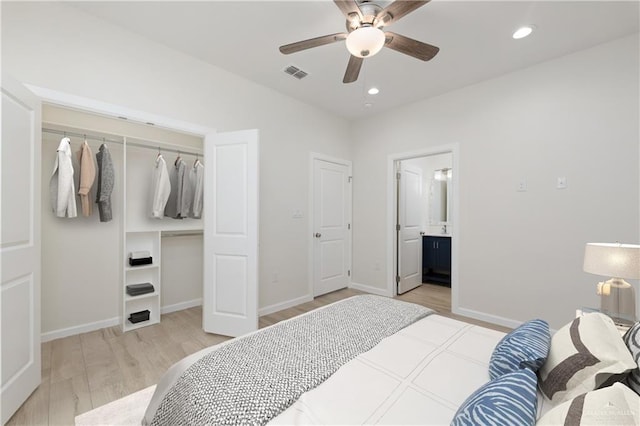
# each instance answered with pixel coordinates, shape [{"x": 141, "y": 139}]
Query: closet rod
[
  {"x": 139, "y": 145},
  {"x": 80, "y": 135}
]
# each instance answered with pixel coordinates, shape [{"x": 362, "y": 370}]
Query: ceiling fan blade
[
  {"x": 312, "y": 42},
  {"x": 348, "y": 8},
  {"x": 411, "y": 47},
  {"x": 353, "y": 69},
  {"x": 397, "y": 10}
]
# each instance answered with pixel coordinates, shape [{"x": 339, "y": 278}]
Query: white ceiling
[{"x": 474, "y": 39}]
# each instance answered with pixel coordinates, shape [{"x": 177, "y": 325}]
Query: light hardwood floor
[{"x": 83, "y": 372}]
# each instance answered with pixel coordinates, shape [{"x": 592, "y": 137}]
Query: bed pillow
[
  {"x": 632, "y": 340},
  {"x": 509, "y": 400},
  {"x": 586, "y": 354},
  {"x": 615, "y": 405},
  {"x": 525, "y": 347}
]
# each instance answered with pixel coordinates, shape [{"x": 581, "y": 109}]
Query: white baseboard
[
  {"x": 97, "y": 325},
  {"x": 370, "y": 289},
  {"x": 78, "y": 329},
  {"x": 493, "y": 319},
  {"x": 284, "y": 305},
  {"x": 180, "y": 306}
]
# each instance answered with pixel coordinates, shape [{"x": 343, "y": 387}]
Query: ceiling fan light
[{"x": 365, "y": 41}]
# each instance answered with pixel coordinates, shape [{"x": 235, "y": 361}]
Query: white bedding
[{"x": 419, "y": 375}]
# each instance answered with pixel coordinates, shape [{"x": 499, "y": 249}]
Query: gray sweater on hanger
[
  {"x": 176, "y": 178},
  {"x": 106, "y": 178}
]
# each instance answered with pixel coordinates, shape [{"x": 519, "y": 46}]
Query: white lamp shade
[
  {"x": 612, "y": 260},
  {"x": 365, "y": 41}
]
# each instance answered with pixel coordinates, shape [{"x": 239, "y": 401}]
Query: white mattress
[{"x": 419, "y": 375}]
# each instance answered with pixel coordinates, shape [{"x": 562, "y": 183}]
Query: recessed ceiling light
[
  {"x": 524, "y": 31},
  {"x": 368, "y": 105},
  {"x": 373, "y": 91}
]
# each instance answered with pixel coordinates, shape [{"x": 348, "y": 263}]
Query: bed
[{"x": 380, "y": 361}]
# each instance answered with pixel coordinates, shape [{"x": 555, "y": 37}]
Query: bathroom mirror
[{"x": 439, "y": 196}]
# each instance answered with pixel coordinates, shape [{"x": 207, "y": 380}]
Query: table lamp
[{"x": 619, "y": 261}]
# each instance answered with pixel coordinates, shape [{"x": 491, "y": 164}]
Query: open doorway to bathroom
[{"x": 424, "y": 206}]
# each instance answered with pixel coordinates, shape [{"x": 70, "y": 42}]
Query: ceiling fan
[{"x": 364, "y": 36}]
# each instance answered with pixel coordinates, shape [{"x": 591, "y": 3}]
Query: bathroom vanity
[{"x": 436, "y": 259}]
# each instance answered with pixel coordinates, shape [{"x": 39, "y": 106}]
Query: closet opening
[{"x": 85, "y": 262}]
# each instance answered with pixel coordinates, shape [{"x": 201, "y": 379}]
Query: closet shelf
[
  {"x": 128, "y": 297},
  {"x": 142, "y": 241},
  {"x": 141, "y": 267}
]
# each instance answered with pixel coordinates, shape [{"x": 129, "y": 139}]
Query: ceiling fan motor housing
[{"x": 369, "y": 12}]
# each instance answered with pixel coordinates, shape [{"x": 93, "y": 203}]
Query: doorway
[{"x": 423, "y": 231}]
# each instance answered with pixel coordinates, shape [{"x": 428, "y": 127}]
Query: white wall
[
  {"x": 520, "y": 253},
  {"x": 58, "y": 47}
]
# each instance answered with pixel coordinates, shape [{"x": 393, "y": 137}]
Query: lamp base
[{"x": 618, "y": 300}]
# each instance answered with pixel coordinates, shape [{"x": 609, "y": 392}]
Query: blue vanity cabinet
[{"x": 436, "y": 260}]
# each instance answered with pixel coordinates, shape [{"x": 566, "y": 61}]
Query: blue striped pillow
[
  {"x": 507, "y": 400},
  {"x": 525, "y": 347}
]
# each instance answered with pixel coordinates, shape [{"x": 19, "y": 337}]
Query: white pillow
[
  {"x": 586, "y": 354},
  {"x": 615, "y": 405}
]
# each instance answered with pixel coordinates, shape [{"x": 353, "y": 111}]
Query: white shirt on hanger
[
  {"x": 61, "y": 187},
  {"x": 161, "y": 188}
]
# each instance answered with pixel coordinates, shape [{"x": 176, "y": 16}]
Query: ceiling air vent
[{"x": 295, "y": 72}]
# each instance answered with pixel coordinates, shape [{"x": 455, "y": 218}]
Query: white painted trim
[
  {"x": 493, "y": 319},
  {"x": 180, "y": 306},
  {"x": 112, "y": 110},
  {"x": 97, "y": 325},
  {"x": 78, "y": 329},
  {"x": 454, "y": 149},
  {"x": 284, "y": 305},
  {"x": 370, "y": 289},
  {"x": 310, "y": 261}
]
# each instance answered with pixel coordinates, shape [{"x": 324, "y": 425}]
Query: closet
[{"x": 85, "y": 267}]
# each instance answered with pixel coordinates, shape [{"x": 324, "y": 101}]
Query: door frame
[
  {"x": 310, "y": 242},
  {"x": 392, "y": 159}
]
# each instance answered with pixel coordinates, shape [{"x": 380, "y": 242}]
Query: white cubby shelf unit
[{"x": 142, "y": 241}]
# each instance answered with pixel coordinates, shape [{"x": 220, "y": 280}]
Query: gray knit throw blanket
[{"x": 254, "y": 378}]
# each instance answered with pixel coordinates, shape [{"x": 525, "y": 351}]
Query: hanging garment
[
  {"x": 61, "y": 187},
  {"x": 196, "y": 179},
  {"x": 87, "y": 177},
  {"x": 188, "y": 187},
  {"x": 176, "y": 176},
  {"x": 106, "y": 178},
  {"x": 161, "y": 188}
]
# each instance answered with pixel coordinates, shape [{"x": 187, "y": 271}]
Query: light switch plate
[
  {"x": 522, "y": 185},
  {"x": 562, "y": 182}
]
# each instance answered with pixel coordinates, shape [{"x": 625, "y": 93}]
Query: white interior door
[
  {"x": 20, "y": 245},
  {"x": 410, "y": 224},
  {"x": 230, "y": 293},
  {"x": 331, "y": 225}
]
